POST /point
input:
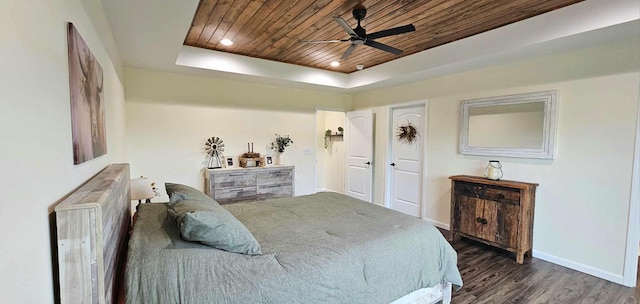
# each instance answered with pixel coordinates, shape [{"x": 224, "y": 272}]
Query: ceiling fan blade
[
  {"x": 324, "y": 41},
  {"x": 384, "y": 47},
  {"x": 345, "y": 26},
  {"x": 392, "y": 31},
  {"x": 348, "y": 51}
]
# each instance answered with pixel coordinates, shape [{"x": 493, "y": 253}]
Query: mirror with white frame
[{"x": 522, "y": 125}]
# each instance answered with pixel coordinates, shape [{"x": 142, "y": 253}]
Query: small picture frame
[
  {"x": 229, "y": 162},
  {"x": 269, "y": 160}
]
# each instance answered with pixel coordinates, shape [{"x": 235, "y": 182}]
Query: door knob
[
  {"x": 367, "y": 163},
  {"x": 393, "y": 164}
]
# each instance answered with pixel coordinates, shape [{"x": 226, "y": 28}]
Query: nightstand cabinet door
[
  {"x": 498, "y": 213},
  {"x": 502, "y": 223},
  {"x": 467, "y": 211}
]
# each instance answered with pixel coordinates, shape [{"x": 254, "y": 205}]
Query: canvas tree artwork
[{"x": 87, "y": 100}]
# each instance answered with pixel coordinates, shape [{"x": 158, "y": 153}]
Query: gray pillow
[
  {"x": 212, "y": 225},
  {"x": 178, "y": 192}
]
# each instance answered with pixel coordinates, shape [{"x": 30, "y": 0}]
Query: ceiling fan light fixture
[
  {"x": 226, "y": 42},
  {"x": 335, "y": 64}
]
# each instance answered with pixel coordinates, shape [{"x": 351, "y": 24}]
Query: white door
[
  {"x": 358, "y": 137},
  {"x": 405, "y": 187}
]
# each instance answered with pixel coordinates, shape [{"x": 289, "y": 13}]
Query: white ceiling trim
[{"x": 237, "y": 64}]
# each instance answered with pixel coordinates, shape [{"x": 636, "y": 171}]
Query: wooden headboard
[{"x": 92, "y": 226}]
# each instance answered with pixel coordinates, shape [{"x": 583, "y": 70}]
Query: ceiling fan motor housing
[{"x": 359, "y": 13}]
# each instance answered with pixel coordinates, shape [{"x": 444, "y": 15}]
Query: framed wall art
[{"x": 86, "y": 81}]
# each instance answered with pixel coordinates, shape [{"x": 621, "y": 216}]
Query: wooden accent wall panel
[
  {"x": 92, "y": 225},
  {"x": 273, "y": 29},
  {"x": 497, "y": 213}
]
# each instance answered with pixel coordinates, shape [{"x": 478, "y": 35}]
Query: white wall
[
  {"x": 169, "y": 116},
  {"x": 320, "y": 158},
  {"x": 334, "y": 153},
  {"x": 583, "y": 199},
  {"x": 36, "y": 154}
]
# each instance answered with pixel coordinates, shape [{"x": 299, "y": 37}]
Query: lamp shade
[{"x": 141, "y": 189}]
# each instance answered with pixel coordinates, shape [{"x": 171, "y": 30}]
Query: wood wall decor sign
[{"x": 87, "y": 100}]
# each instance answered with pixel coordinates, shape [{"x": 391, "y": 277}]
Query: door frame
[
  {"x": 388, "y": 175},
  {"x": 315, "y": 151},
  {"x": 630, "y": 270}
]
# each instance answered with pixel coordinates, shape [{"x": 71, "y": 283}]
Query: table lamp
[{"x": 141, "y": 190}]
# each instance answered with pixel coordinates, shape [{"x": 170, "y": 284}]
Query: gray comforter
[{"x": 321, "y": 248}]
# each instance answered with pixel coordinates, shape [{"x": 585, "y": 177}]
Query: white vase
[{"x": 279, "y": 159}]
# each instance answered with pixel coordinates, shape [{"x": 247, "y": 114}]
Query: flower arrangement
[
  {"x": 280, "y": 143},
  {"x": 407, "y": 133}
]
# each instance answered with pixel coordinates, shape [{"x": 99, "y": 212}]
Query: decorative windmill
[{"x": 214, "y": 146}]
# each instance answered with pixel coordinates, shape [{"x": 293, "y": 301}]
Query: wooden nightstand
[{"x": 497, "y": 213}]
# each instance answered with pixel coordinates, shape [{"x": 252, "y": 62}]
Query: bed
[{"x": 323, "y": 248}]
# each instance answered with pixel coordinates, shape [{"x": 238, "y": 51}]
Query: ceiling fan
[{"x": 359, "y": 34}]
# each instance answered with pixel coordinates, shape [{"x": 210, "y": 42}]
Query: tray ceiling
[{"x": 273, "y": 29}]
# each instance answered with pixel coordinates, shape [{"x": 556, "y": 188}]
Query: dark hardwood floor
[{"x": 492, "y": 276}]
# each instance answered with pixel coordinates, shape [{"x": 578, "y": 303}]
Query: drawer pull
[
  {"x": 236, "y": 190},
  {"x": 477, "y": 191},
  {"x": 500, "y": 196},
  {"x": 236, "y": 174},
  {"x": 482, "y": 221}
]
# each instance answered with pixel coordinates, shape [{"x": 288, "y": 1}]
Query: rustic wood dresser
[
  {"x": 234, "y": 185},
  {"x": 497, "y": 213}
]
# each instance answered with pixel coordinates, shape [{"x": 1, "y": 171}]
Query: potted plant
[
  {"x": 340, "y": 130},
  {"x": 327, "y": 138},
  {"x": 279, "y": 144}
]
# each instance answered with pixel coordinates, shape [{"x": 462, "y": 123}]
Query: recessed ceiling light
[
  {"x": 335, "y": 64},
  {"x": 226, "y": 42}
]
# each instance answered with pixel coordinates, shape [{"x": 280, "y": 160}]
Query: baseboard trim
[
  {"x": 618, "y": 279},
  {"x": 327, "y": 190},
  {"x": 437, "y": 224},
  {"x": 605, "y": 275}
]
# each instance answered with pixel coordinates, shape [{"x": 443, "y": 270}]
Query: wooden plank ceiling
[{"x": 273, "y": 29}]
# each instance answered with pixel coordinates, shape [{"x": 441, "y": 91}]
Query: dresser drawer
[
  {"x": 230, "y": 195},
  {"x": 234, "y": 180},
  {"x": 488, "y": 192},
  {"x": 274, "y": 191},
  {"x": 275, "y": 177},
  {"x": 469, "y": 189}
]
